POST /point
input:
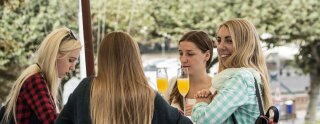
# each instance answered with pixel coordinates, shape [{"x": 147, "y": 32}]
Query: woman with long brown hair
[
  {"x": 120, "y": 93},
  {"x": 195, "y": 53}
]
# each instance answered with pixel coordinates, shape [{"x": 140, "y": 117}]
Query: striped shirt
[{"x": 236, "y": 94}]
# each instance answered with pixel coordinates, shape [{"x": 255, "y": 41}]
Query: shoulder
[
  {"x": 235, "y": 76},
  {"x": 37, "y": 77},
  {"x": 231, "y": 73},
  {"x": 85, "y": 82},
  {"x": 160, "y": 103},
  {"x": 247, "y": 75},
  {"x": 84, "y": 85},
  {"x": 164, "y": 113},
  {"x": 158, "y": 98},
  {"x": 243, "y": 78},
  {"x": 80, "y": 97},
  {"x": 35, "y": 81},
  {"x": 242, "y": 72}
]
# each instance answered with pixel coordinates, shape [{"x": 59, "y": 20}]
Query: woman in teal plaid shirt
[{"x": 241, "y": 62}]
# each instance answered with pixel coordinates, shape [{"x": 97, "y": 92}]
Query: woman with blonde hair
[
  {"x": 120, "y": 93},
  {"x": 241, "y": 64},
  {"x": 33, "y": 97}
]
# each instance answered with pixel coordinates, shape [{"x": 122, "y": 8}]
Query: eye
[
  {"x": 218, "y": 40},
  {"x": 180, "y": 53},
  {"x": 228, "y": 40},
  {"x": 190, "y": 54},
  {"x": 71, "y": 60}
]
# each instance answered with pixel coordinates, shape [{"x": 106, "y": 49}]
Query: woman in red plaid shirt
[{"x": 33, "y": 96}]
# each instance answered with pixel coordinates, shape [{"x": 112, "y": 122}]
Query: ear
[{"x": 207, "y": 55}]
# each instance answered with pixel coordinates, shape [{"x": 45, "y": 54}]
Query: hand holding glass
[{"x": 162, "y": 80}]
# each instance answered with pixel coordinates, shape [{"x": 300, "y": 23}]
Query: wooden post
[{"x": 87, "y": 37}]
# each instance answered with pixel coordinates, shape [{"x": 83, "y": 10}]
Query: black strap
[
  {"x": 258, "y": 97},
  {"x": 273, "y": 108},
  {"x": 259, "y": 101}
]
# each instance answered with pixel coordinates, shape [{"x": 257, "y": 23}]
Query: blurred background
[{"x": 289, "y": 30}]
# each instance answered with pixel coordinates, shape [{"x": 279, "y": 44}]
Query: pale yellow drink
[
  {"x": 183, "y": 86},
  {"x": 162, "y": 84}
]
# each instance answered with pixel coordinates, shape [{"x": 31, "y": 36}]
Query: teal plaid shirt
[{"x": 236, "y": 94}]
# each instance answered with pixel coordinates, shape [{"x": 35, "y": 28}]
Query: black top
[{"x": 76, "y": 111}]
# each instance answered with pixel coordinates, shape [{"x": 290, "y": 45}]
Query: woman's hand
[
  {"x": 204, "y": 95},
  {"x": 188, "y": 110}
]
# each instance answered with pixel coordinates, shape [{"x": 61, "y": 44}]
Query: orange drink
[
  {"x": 183, "y": 86},
  {"x": 162, "y": 84}
]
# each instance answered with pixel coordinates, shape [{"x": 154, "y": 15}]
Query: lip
[
  {"x": 225, "y": 55},
  {"x": 184, "y": 66}
]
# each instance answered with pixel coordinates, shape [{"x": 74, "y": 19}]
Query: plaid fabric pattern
[
  {"x": 35, "y": 98},
  {"x": 236, "y": 96}
]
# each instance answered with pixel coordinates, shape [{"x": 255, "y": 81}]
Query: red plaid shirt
[{"x": 35, "y": 98}]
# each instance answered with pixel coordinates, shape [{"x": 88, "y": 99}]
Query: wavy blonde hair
[
  {"x": 247, "y": 52},
  {"x": 49, "y": 50},
  {"x": 120, "y": 93}
]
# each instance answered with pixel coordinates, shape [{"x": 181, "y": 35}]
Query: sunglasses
[{"x": 69, "y": 36}]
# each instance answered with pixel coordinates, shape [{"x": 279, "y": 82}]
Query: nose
[
  {"x": 183, "y": 59},
  {"x": 221, "y": 46},
  {"x": 73, "y": 67}
]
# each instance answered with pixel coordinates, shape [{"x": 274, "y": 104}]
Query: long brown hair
[
  {"x": 202, "y": 40},
  {"x": 247, "y": 52},
  {"x": 120, "y": 93}
]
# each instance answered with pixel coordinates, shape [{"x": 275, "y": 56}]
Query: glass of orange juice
[
  {"x": 162, "y": 80},
  {"x": 183, "y": 83}
]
